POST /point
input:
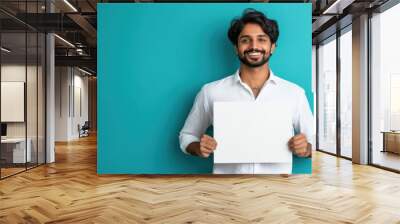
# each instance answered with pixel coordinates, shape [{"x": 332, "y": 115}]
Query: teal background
[{"x": 152, "y": 61}]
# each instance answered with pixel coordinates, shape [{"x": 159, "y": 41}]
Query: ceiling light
[
  {"x": 329, "y": 9},
  {"x": 337, "y": 7},
  {"x": 84, "y": 71},
  {"x": 5, "y": 50},
  {"x": 65, "y": 41},
  {"x": 70, "y": 5}
]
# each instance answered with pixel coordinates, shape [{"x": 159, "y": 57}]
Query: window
[
  {"x": 385, "y": 89},
  {"x": 327, "y": 95},
  {"x": 346, "y": 92}
]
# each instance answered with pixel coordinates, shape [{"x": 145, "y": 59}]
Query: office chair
[{"x": 84, "y": 130}]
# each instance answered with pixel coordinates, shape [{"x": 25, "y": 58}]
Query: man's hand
[
  {"x": 299, "y": 145},
  {"x": 204, "y": 148},
  {"x": 207, "y": 146}
]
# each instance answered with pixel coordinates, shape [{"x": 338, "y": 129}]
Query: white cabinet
[{"x": 18, "y": 149}]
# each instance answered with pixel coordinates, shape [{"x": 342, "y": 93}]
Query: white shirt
[{"x": 232, "y": 88}]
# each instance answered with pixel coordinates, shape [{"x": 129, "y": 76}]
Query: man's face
[{"x": 254, "y": 46}]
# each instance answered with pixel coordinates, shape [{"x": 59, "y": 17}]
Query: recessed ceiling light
[
  {"x": 5, "y": 50},
  {"x": 65, "y": 41},
  {"x": 70, "y": 5},
  {"x": 84, "y": 71},
  {"x": 337, "y": 7}
]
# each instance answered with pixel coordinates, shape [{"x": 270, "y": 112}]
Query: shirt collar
[{"x": 272, "y": 77}]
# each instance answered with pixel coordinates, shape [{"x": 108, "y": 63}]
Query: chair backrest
[{"x": 86, "y": 125}]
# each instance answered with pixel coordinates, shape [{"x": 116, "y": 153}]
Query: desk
[
  {"x": 391, "y": 141},
  {"x": 15, "y": 148}
]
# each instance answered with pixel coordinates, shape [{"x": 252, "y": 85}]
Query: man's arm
[
  {"x": 193, "y": 148},
  {"x": 198, "y": 120},
  {"x": 301, "y": 143}
]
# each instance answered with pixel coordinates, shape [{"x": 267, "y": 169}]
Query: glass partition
[
  {"x": 32, "y": 95},
  {"x": 14, "y": 153},
  {"x": 22, "y": 77}
]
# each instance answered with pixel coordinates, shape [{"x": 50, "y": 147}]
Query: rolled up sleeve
[{"x": 197, "y": 122}]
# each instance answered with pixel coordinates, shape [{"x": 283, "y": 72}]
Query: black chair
[{"x": 84, "y": 130}]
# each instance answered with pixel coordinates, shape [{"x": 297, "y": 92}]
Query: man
[{"x": 254, "y": 37}]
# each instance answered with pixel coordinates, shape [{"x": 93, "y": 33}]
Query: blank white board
[
  {"x": 252, "y": 132},
  {"x": 12, "y": 101}
]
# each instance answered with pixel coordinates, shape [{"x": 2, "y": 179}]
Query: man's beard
[{"x": 264, "y": 59}]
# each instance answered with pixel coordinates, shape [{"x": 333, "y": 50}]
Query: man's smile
[
  {"x": 254, "y": 54},
  {"x": 254, "y": 57}
]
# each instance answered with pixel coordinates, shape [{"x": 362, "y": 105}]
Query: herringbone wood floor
[{"x": 70, "y": 191}]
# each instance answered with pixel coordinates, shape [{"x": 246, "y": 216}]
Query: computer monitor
[{"x": 3, "y": 129}]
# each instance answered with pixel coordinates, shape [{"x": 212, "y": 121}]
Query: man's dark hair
[{"x": 269, "y": 26}]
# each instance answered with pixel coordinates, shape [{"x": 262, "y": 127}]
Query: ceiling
[{"x": 76, "y": 22}]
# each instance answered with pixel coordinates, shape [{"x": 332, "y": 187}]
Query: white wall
[
  {"x": 12, "y": 73},
  {"x": 62, "y": 81},
  {"x": 33, "y": 127},
  {"x": 80, "y": 83},
  {"x": 70, "y": 84}
]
